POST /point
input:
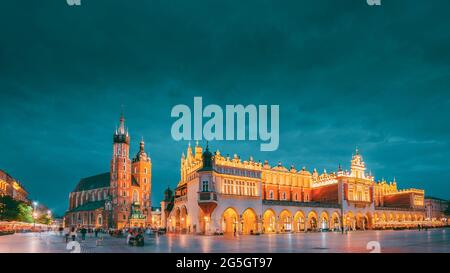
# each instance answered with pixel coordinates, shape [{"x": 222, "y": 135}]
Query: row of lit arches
[{"x": 270, "y": 222}]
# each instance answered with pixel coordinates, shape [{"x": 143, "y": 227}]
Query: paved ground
[{"x": 433, "y": 240}]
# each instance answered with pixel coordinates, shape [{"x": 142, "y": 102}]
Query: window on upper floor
[
  {"x": 271, "y": 195},
  {"x": 205, "y": 186}
]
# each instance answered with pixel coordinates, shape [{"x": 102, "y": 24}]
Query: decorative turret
[
  {"x": 141, "y": 155},
  {"x": 207, "y": 159},
  {"x": 357, "y": 166}
]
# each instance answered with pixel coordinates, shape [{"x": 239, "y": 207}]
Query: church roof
[
  {"x": 89, "y": 206},
  {"x": 93, "y": 182}
]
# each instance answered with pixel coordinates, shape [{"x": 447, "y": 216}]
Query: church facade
[
  {"x": 118, "y": 198},
  {"x": 219, "y": 194}
]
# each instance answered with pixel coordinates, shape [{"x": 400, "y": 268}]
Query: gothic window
[
  {"x": 271, "y": 194},
  {"x": 283, "y": 196},
  {"x": 145, "y": 170},
  {"x": 99, "y": 220}
]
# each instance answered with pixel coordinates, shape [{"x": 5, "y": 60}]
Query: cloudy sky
[{"x": 344, "y": 74}]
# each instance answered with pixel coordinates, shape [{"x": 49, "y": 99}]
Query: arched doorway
[
  {"x": 183, "y": 219},
  {"x": 369, "y": 220},
  {"x": 299, "y": 221},
  {"x": 335, "y": 222},
  {"x": 324, "y": 221},
  {"x": 285, "y": 221},
  {"x": 269, "y": 221},
  {"x": 361, "y": 221},
  {"x": 312, "y": 223},
  {"x": 349, "y": 221},
  {"x": 177, "y": 220},
  {"x": 230, "y": 220},
  {"x": 391, "y": 217},
  {"x": 249, "y": 222}
]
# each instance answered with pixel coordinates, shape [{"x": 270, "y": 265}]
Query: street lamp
[{"x": 35, "y": 203}]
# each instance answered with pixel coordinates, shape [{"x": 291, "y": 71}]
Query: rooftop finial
[{"x": 357, "y": 151}]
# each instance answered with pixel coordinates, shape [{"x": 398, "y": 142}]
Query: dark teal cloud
[{"x": 344, "y": 74}]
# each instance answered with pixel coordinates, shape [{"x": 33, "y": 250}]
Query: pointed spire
[
  {"x": 122, "y": 125},
  {"x": 357, "y": 151},
  {"x": 142, "y": 144},
  {"x": 207, "y": 145}
]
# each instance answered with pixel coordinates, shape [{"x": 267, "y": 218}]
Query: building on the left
[
  {"x": 119, "y": 198},
  {"x": 9, "y": 186}
]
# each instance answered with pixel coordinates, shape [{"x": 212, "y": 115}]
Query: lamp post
[{"x": 34, "y": 214}]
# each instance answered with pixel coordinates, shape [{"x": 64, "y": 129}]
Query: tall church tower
[
  {"x": 120, "y": 176},
  {"x": 142, "y": 174}
]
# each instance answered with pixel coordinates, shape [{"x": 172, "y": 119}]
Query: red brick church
[{"x": 116, "y": 199}]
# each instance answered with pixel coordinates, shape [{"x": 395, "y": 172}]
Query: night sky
[{"x": 344, "y": 74}]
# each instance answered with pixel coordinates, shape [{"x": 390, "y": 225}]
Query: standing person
[
  {"x": 96, "y": 232},
  {"x": 83, "y": 233},
  {"x": 73, "y": 234}
]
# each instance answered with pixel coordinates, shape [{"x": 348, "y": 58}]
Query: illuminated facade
[
  {"x": 119, "y": 198},
  {"x": 11, "y": 187},
  {"x": 218, "y": 194}
]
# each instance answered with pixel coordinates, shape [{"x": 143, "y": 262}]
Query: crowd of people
[{"x": 134, "y": 236}]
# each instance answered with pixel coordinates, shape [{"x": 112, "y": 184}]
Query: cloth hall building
[{"x": 219, "y": 194}]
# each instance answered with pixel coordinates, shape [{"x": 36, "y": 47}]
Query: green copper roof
[
  {"x": 89, "y": 206},
  {"x": 93, "y": 182}
]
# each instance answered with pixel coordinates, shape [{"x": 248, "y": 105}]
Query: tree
[
  {"x": 14, "y": 210},
  {"x": 25, "y": 213},
  {"x": 44, "y": 219}
]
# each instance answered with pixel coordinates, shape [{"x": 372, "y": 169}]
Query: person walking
[{"x": 73, "y": 234}]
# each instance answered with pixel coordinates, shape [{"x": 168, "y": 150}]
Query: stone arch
[
  {"x": 361, "y": 221},
  {"x": 269, "y": 221},
  {"x": 230, "y": 221},
  {"x": 183, "y": 219},
  {"x": 376, "y": 218},
  {"x": 370, "y": 220},
  {"x": 299, "y": 221},
  {"x": 285, "y": 222},
  {"x": 349, "y": 220},
  {"x": 324, "y": 222},
  {"x": 249, "y": 221},
  {"x": 313, "y": 220},
  {"x": 384, "y": 217},
  {"x": 391, "y": 217},
  {"x": 335, "y": 222}
]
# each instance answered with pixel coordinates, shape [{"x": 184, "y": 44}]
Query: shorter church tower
[{"x": 142, "y": 184}]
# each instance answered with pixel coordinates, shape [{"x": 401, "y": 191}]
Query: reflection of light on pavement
[
  {"x": 206, "y": 243},
  {"x": 323, "y": 240}
]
